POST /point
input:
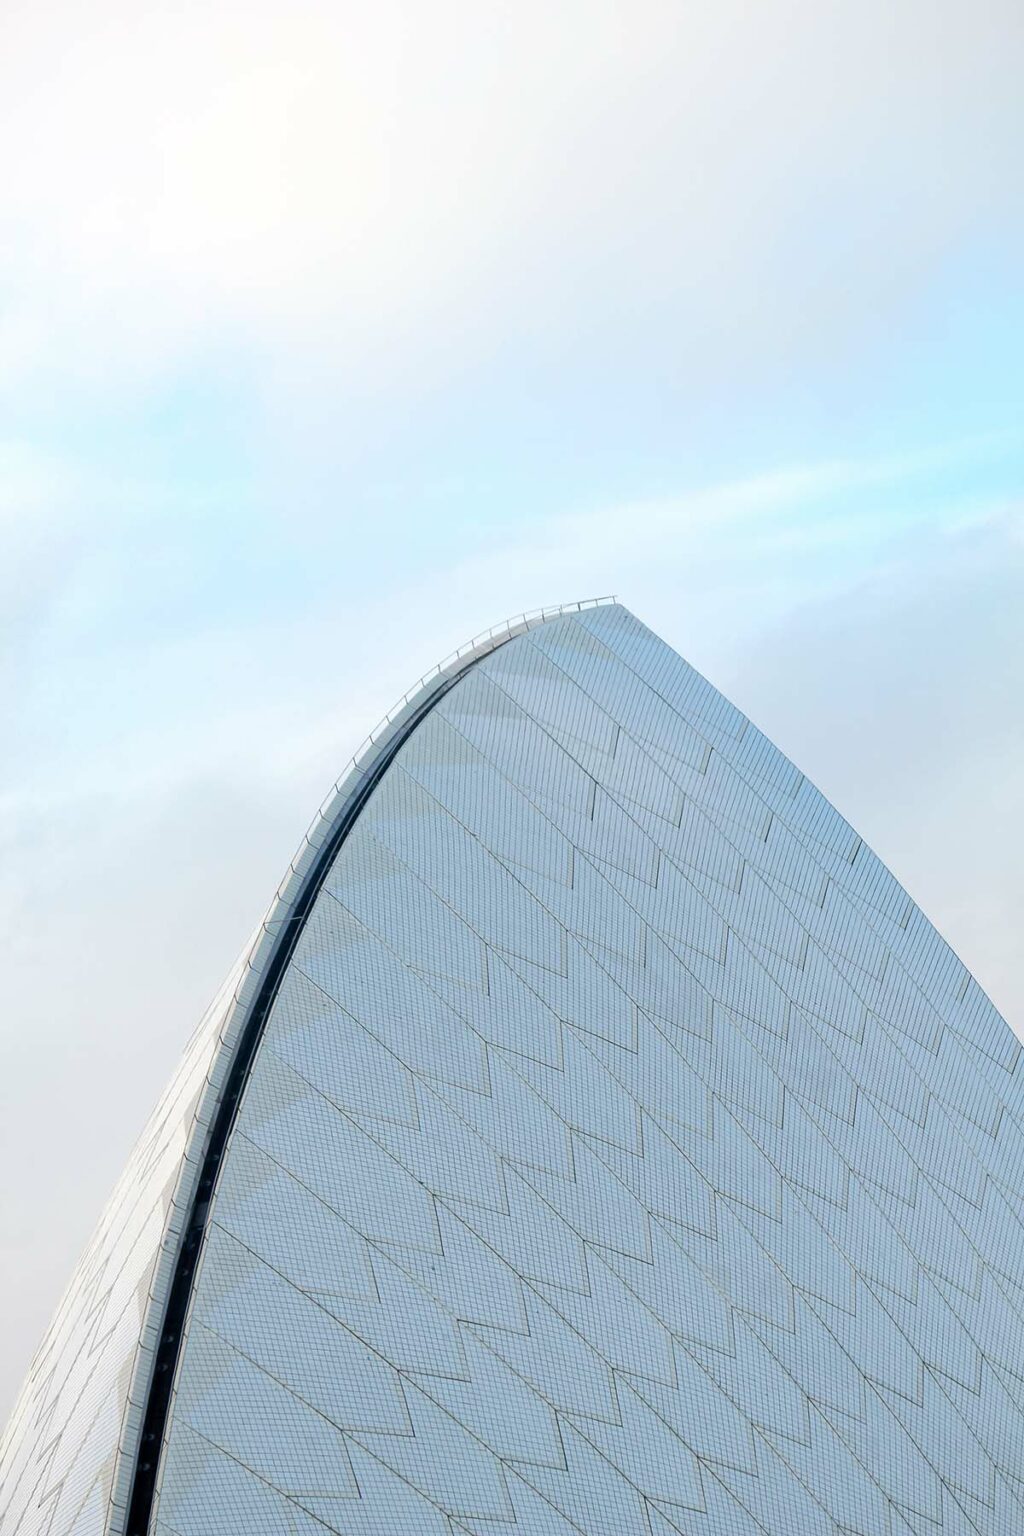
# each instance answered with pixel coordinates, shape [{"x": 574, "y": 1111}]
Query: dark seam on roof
[{"x": 168, "y": 1349}]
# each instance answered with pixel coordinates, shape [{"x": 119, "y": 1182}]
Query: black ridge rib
[{"x": 168, "y": 1349}]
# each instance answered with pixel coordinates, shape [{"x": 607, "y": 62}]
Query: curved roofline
[{"x": 263, "y": 966}]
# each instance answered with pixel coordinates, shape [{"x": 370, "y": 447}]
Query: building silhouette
[{"x": 594, "y": 1140}]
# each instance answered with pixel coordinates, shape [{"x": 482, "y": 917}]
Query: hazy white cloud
[{"x": 354, "y": 182}]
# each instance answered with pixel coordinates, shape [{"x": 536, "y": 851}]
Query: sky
[{"x": 332, "y": 334}]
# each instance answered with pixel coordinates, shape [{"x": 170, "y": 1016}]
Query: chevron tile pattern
[{"x": 624, "y": 1154}]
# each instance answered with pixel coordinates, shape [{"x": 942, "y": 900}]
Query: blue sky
[{"x": 333, "y": 334}]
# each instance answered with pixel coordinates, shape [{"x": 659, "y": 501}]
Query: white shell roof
[{"x": 623, "y": 1151}]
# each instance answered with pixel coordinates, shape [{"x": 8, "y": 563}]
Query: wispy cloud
[{"x": 155, "y": 688}]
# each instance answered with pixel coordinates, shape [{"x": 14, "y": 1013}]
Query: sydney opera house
[{"x": 594, "y": 1140}]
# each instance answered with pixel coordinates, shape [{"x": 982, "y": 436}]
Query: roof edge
[{"x": 257, "y": 975}]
